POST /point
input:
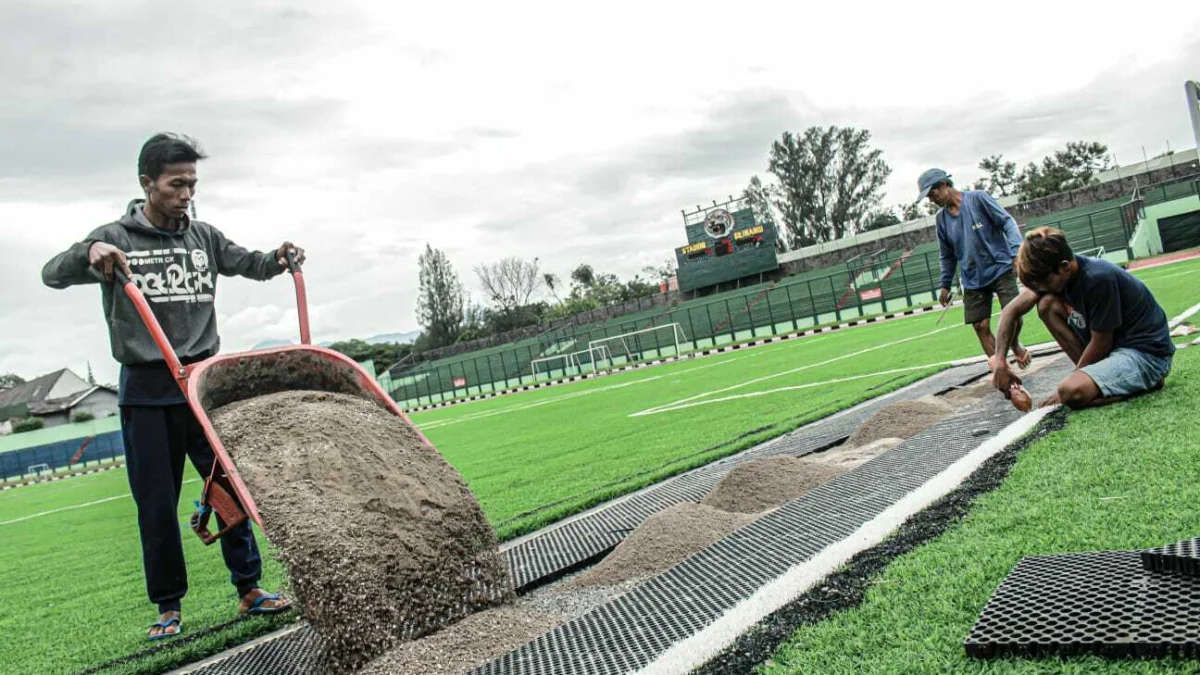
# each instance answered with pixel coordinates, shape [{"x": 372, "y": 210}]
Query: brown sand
[
  {"x": 768, "y": 483},
  {"x": 381, "y": 537},
  {"x": 662, "y": 541},
  {"x": 900, "y": 420},
  {"x": 492, "y": 633}
]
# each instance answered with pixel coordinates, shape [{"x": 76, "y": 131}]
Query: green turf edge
[{"x": 1063, "y": 494}]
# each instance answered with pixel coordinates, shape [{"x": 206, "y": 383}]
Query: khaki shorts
[{"x": 978, "y": 301}]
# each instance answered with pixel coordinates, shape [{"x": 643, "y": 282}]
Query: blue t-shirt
[
  {"x": 1112, "y": 299},
  {"x": 981, "y": 241}
]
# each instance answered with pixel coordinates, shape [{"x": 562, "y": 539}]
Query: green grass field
[
  {"x": 1117, "y": 478},
  {"x": 71, "y": 586}
]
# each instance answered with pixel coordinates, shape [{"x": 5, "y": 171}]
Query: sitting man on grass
[{"x": 1104, "y": 318}]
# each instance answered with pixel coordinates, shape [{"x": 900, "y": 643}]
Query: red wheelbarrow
[{"x": 224, "y": 379}]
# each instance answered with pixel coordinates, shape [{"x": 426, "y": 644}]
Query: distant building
[{"x": 56, "y": 397}]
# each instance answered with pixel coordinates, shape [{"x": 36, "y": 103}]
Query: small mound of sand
[
  {"x": 494, "y": 632},
  {"x": 381, "y": 537},
  {"x": 903, "y": 419},
  {"x": 662, "y": 541},
  {"x": 849, "y": 457},
  {"x": 768, "y": 483}
]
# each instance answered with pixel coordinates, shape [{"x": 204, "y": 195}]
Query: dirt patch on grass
[
  {"x": 768, "y": 483},
  {"x": 382, "y": 540},
  {"x": 903, "y": 419},
  {"x": 662, "y": 541}
]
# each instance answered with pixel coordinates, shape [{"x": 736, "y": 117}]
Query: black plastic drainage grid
[
  {"x": 1101, "y": 603},
  {"x": 632, "y": 630},
  {"x": 1179, "y": 558},
  {"x": 539, "y": 559}
]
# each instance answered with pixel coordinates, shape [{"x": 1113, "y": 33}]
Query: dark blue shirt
[{"x": 1112, "y": 299}]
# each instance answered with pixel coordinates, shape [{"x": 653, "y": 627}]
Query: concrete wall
[
  {"x": 1147, "y": 240},
  {"x": 100, "y": 403},
  {"x": 68, "y": 383}
]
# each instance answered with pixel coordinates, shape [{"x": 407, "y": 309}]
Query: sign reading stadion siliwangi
[{"x": 724, "y": 245}]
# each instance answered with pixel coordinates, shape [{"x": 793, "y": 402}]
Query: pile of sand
[
  {"x": 662, "y": 541},
  {"x": 768, "y": 483},
  {"x": 903, "y": 419},
  {"x": 492, "y": 633},
  {"x": 382, "y": 539}
]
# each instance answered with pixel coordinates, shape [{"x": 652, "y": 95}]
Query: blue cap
[{"x": 928, "y": 179}]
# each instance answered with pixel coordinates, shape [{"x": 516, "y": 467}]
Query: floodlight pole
[{"x": 1192, "y": 89}]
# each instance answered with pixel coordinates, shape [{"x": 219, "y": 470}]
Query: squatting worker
[
  {"x": 1104, "y": 318},
  {"x": 976, "y": 235},
  {"x": 175, "y": 261}
]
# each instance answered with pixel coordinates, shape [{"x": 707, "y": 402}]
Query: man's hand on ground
[
  {"x": 1002, "y": 376},
  {"x": 281, "y": 253},
  {"x": 106, "y": 258},
  {"x": 944, "y": 297}
]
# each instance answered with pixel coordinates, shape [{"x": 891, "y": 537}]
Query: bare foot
[
  {"x": 1051, "y": 400},
  {"x": 168, "y": 624},
  {"x": 1023, "y": 357}
]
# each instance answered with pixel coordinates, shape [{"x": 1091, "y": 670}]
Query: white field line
[
  {"x": 795, "y": 387},
  {"x": 76, "y": 506},
  {"x": 1187, "y": 314},
  {"x": 687, "y": 654},
  {"x": 1175, "y": 274},
  {"x": 437, "y": 424},
  {"x": 798, "y": 369}
]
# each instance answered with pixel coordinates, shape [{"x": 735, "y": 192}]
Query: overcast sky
[{"x": 363, "y": 131}]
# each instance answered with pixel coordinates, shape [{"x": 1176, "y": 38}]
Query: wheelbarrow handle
[
  {"x": 160, "y": 338},
  {"x": 301, "y": 296}
]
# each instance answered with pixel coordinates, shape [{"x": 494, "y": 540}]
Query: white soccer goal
[
  {"x": 633, "y": 345},
  {"x": 37, "y": 469},
  {"x": 1097, "y": 252},
  {"x": 568, "y": 359}
]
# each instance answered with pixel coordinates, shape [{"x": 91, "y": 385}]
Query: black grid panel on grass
[
  {"x": 544, "y": 557},
  {"x": 292, "y": 654},
  {"x": 1101, "y": 603},
  {"x": 630, "y": 631},
  {"x": 1178, "y": 558}
]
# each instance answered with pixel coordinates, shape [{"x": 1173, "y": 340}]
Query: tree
[
  {"x": 1072, "y": 168},
  {"x": 440, "y": 298},
  {"x": 910, "y": 211},
  {"x": 383, "y": 354},
  {"x": 583, "y": 276},
  {"x": 880, "y": 218},
  {"x": 1001, "y": 176},
  {"x": 829, "y": 181},
  {"x": 509, "y": 282},
  {"x": 10, "y": 380},
  {"x": 931, "y": 209},
  {"x": 662, "y": 272},
  {"x": 550, "y": 279}
]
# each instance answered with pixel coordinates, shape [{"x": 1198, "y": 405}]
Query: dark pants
[{"x": 156, "y": 439}]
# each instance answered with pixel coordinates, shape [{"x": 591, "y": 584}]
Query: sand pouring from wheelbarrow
[{"x": 223, "y": 379}]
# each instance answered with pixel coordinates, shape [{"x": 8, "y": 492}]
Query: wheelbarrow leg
[{"x": 218, "y": 496}]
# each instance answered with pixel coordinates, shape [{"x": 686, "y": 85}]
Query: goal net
[
  {"x": 567, "y": 360},
  {"x": 664, "y": 340}
]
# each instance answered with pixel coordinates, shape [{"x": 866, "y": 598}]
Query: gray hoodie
[{"x": 177, "y": 271}]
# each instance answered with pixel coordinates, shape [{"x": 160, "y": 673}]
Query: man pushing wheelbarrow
[{"x": 176, "y": 261}]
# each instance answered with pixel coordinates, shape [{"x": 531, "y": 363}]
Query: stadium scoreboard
[{"x": 724, "y": 243}]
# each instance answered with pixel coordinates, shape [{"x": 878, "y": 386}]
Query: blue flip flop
[
  {"x": 257, "y": 608},
  {"x": 165, "y": 625}
]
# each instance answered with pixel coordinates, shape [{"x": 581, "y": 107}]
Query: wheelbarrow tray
[{"x": 224, "y": 379}]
